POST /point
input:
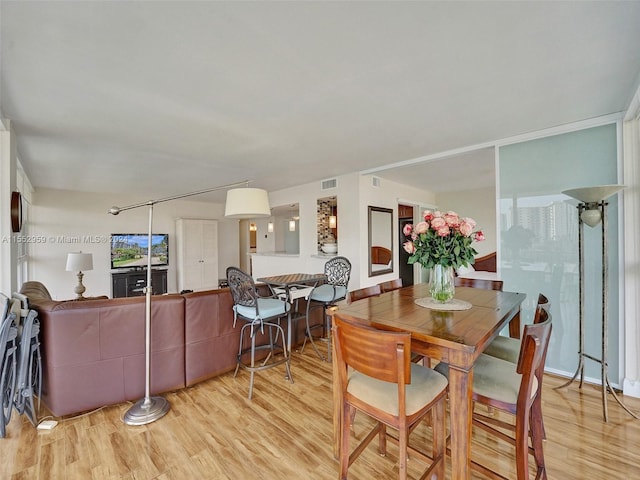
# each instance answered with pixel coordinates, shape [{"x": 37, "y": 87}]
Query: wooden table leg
[
  {"x": 514, "y": 326},
  {"x": 337, "y": 407},
  {"x": 460, "y": 407}
]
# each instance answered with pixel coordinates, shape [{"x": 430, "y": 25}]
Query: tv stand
[{"x": 131, "y": 283}]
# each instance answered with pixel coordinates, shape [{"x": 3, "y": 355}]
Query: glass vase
[{"x": 442, "y": 284}]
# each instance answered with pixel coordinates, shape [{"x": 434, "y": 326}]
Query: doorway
[{"x": 405, "y": 271}]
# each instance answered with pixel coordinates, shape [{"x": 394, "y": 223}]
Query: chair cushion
[
  {"x": 328, "y": 293},
  {"x": 494, "y": 378},
  {"x": 267, "y": 308},
  {"x": 506, "y": 348},
  {"x": 425, "y": 385}
]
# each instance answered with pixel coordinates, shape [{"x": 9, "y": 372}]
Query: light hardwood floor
[{"x": 213, "y": 432}]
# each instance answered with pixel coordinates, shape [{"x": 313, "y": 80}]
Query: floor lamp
[
  {"x": 592, "y": 210},
  {"x": 241, "y": 203}
]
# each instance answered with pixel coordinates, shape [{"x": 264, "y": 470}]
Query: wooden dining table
[{"x": 456, "y": 337}]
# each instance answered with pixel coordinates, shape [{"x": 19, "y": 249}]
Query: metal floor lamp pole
[
  {"x": 149, "y": 409},
  {"x": 603, "y": 360}
]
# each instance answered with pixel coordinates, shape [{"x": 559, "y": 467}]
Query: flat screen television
[{"x": 130, "y": 250}]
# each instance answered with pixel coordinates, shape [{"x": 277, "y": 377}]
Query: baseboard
[{"x": 631, "y": 388}]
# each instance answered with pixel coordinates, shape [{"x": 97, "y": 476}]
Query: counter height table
[
  {"x": 457, "y": 337},
  {"x": 293, "y": 286}
]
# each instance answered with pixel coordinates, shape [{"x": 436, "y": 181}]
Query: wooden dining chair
[
  {"x": 391, "y": 285},
  {"x": 365, "y": 292},
  {"x": 514, "y": 389},
  {"x": 378, "y": 379},
  {"x": 508, "y": 348},
  {"x": 479, "y": 283}
]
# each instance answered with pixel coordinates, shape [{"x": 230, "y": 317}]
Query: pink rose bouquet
[{"x": 442, "y": 239}]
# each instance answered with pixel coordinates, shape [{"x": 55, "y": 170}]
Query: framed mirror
[{"x": 380, "y": 241}]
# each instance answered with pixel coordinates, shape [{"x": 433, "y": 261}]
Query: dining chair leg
[
  {"x": 438, "y": 428},
  {"x": 537, "y": 436},
  {"x": 522, "y": 447},
  {"x": 382, "y": 439},
  {"x": 403, "y": 436},
  {"x": 344, "y": 444}
]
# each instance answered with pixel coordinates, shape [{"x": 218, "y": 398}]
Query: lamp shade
[
  {"x": 593, "y": 194},
  {"x": 247, "y": 203},
  {"x": 79, "y": 262}
]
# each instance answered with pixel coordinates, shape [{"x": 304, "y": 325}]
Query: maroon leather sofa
[{"x": 94, "y": 355}]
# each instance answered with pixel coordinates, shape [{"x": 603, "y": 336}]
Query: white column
[
  {"x": 631, "y": 321},
  {"x": 8, "y": 250}
]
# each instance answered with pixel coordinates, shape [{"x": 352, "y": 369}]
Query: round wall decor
[{"x": 16, "y": 212}]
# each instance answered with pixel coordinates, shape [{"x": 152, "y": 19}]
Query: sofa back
[
  {"x": 94, "y": 350},
  {"x": 211, "y": 341}
]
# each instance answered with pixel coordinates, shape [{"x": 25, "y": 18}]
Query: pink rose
[
  {"x": 437, "y": 223},
  {"x": 452, "y": 219},
  {"x": 437, "y": 214},
  {"x": 427, "y": 215},
  {"x": 421, "y": 227},
  {"x": 466, "y": 229},
  {"x": 409, "y": 247},
  {"x": 407, "y": 229},
  {"x": 479, "y": 236},
  {"x": 470, "y": 221},
  {"x": 443, "y": 231}
]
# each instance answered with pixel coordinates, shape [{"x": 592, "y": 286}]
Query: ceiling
[{"x": 168, "y": 97}]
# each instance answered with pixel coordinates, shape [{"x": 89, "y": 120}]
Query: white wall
[
  {"x": 66, "y": 221},
  {"x": 386, "y": 195},
  {"x": 478, "y": 204}
]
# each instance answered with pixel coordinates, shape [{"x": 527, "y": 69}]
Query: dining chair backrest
[
  {"x": 365, "y": 292},
  {"x": 242, "y": 286},
  {"x": 355, "y": 343},
  {"x": 542, "y": 316},
  {"x": 533, "y": 353},
  {"x": 543, "y": 302},
  {"x": 479, "y": 283},
  {"x": 338, "y": 271},
  {"x": 391, "y": 285}
]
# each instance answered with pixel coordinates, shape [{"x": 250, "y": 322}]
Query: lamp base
[{"x": 146, "y": 410}]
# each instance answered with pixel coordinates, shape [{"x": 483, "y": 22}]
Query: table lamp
[{"x": 79, "y": 262}]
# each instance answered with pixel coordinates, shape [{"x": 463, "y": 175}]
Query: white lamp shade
[
  {"x": 333, "y": 221},
  {"x": 593, "y": 194},
  {"x": 79, "y": 262},
  {"x": 247, "y": 203}
]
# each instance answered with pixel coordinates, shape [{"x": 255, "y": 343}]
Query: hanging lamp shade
[{"x": 247, "y": 203}]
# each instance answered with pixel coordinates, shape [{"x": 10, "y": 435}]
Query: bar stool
[
  {"x": 258, "y": 313},
  {"x": 338, "y": 271}
]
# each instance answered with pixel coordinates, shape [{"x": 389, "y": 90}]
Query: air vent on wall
[
  {"x": 376, "y": 181},
  {"x": 328, "y": 184}
]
